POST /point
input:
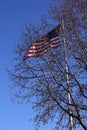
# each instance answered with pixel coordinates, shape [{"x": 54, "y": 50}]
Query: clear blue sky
[{"x": 13, "y": 15}]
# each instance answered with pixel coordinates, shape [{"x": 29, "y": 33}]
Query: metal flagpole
[{"x": 67, "y": 79}]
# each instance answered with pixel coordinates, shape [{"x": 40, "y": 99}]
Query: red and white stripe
[{"x": 41, "y": 46}]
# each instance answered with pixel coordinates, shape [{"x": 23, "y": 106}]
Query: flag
[{"x": 44, "y": 43}]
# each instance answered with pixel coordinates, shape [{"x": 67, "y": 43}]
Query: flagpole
[{"x": 67, "y": 79}]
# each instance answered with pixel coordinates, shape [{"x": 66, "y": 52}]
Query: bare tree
[{"x": 43, "y": 80}]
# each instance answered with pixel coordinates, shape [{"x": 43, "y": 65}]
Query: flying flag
[{"x": 44, "y": 43}]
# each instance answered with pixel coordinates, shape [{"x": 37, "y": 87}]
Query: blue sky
[{"x": 13, "y": 15}]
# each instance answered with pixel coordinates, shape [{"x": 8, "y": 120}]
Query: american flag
[{"x": 44, "y": 43}]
